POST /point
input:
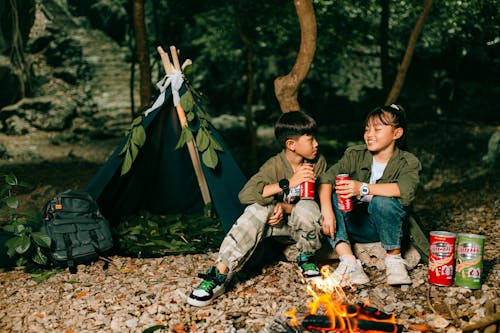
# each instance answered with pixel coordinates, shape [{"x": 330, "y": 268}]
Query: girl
[{"x": 383, "y": 180}]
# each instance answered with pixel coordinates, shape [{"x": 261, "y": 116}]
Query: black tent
[{"x": 162, "y": 179}]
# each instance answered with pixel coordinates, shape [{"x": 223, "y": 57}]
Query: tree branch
[{"x": 286, "y": 87}]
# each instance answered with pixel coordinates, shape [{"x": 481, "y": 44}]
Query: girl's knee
[{"x": 385, "y": 205}]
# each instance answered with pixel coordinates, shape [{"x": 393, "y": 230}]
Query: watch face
[{"x": 364, "y": 189}]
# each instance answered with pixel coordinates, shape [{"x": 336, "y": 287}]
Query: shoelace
[
  {"x": 206, "y": 285},
  {"x": 213, "y": 277},
  {"x": 392, "y": 264},
  {"x": 308, "y": 266}
]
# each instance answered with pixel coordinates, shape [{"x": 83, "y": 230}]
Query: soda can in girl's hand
[
  {"x": 345, "y": 204},
  {"x": 307, "y": 188},
  {"x": 442, "y": 258}
]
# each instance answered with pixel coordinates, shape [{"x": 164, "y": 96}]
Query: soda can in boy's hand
[
  {"x": 307, "y": 188},
  {"x": 345, "y": 204}
]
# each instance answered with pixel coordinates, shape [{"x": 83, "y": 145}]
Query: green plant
[
  {"x": 150, "y": 235},
  {"x": 25, "y": 244}
]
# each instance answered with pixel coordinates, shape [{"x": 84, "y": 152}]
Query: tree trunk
[
  {"x": 286, "y": 87},
  {"x": 250, "y": 89},
  {"x": 384, "y": 46},
  {"x": 142, "y": 53},
  {"x": 18, "y": 18},
  {"x": 403, "y": 67}
]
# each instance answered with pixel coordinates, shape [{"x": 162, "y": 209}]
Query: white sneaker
[
  {"x": 348, "y": 274},
  {"x": 396, "y": 270}
]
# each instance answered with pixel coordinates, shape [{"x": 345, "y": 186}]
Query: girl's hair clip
[{"x": 394, "y": 106}]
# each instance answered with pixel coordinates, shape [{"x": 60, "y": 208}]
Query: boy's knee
[
  {"x": 259, "y": 211},
  {"x": 307, "y": 208}
]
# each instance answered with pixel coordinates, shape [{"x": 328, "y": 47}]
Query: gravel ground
[{"x": 135, "y": 294}]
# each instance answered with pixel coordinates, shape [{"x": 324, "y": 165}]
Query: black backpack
[{"x": 79, "y": 232}]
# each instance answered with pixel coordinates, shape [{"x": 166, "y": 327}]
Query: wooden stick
[
  {"x": 193, "y": 151},
  {"x": 485, "y": 322},
  {"x": 175, "y": 58},
  {"x": 490, "y": 310},
  {"x": 165, "y": 60}
]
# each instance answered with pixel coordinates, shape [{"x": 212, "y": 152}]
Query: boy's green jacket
[
  {"x": 272, "y": 171},
  {"x": 403, "y": 168}
]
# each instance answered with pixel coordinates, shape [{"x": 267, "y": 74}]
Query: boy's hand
[
  {"x": 347, "y": 188},
  {"x": 304, "y": 173},
  {"x": 329, "y": 224},
  {"x": 277, "y": 215}
]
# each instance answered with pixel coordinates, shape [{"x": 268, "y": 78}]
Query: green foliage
[
  {"x": 193, "y": 104},
  {"x": 149, "y": 235},
  {"x": 136, "y": 137},
  {"x": 154, "y": 328},
  {"x": 26, "y": 244}
]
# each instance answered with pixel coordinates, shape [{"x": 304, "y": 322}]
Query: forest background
[
  {"x": 239, "y": 48},
  {"x": 70, "y": 85}
]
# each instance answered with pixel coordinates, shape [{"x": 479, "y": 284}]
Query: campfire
[{"x": 329, "y": 311}]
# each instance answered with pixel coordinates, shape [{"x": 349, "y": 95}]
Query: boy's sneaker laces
[
  {"x": 308, "y": 269},
  {"x": 211, "y": 287}
]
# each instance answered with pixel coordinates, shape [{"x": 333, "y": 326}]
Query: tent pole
[{"x": 193, "y": 151}]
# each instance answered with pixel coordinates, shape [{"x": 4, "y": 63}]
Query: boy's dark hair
[
  {"x": 291, "y": 125},
  {"x": 398, "y": 120}
]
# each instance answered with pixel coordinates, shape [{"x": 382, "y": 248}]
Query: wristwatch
[
  {"x": 284, "y": 185},
  {"x": 364, "y": 189}
]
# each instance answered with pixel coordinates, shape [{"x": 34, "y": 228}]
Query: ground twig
[{"x": 485, "y": 322}]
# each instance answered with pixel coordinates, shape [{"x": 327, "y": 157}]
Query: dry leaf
[
  {"x": 420, "y": 327},
  {"x": 82, "y": 294}
]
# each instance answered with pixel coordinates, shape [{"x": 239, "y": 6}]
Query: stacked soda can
[
  {"x": 469, "y": 262},
  {"x": 441, "y": 258},
  {"x": 456, "y": 258}
]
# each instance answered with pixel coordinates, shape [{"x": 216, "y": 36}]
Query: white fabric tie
[{"x": 175, "y": 80}]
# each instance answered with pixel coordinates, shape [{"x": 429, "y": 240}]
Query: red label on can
[
  {"x": 307, "y": 190},
  {"x": 442, "y": 258},
  {"x": 345, "y": 204}
]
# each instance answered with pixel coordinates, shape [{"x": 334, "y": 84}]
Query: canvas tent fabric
[{"x": 162, "y": 179}]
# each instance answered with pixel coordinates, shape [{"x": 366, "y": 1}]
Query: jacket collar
[
  {"x": 285, "y": 162},
  {"x": 368, "y": 158}
]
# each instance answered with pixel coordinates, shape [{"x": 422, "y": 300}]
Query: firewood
[
  {"x": 485, "y": 322},
  {"x": 490, "y": 309}
]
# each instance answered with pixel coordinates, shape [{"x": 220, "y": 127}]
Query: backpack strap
[
  {"x": 95, "y": 244},
  {"x": 69, "y": 254}
]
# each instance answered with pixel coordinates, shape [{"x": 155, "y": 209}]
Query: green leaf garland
[{"x": 136, "y": 139}]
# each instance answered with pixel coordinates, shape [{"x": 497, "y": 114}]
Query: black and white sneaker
[
  {"x": 308, "y": 268},
  {"x": 211, "y": 287}
]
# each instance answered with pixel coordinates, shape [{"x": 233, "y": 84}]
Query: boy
[{"x": 274, "y": 207}]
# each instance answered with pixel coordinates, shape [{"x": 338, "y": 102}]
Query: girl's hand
[
  {"x": 347, "y": 188},
  {"x": 277, "y": 215},
  {"x": 304, "y": 173}
]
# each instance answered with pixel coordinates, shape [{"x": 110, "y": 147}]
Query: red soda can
[
  {"x": 345, "y": 204},
  {"x": 442, "y": 258},
  {"x": 307, "y": 188}
]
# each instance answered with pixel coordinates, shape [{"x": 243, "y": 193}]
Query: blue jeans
[{"x": 381, "y": 220}]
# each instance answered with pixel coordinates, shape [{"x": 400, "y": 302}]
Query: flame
[{"x": 340, "y": 316}]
